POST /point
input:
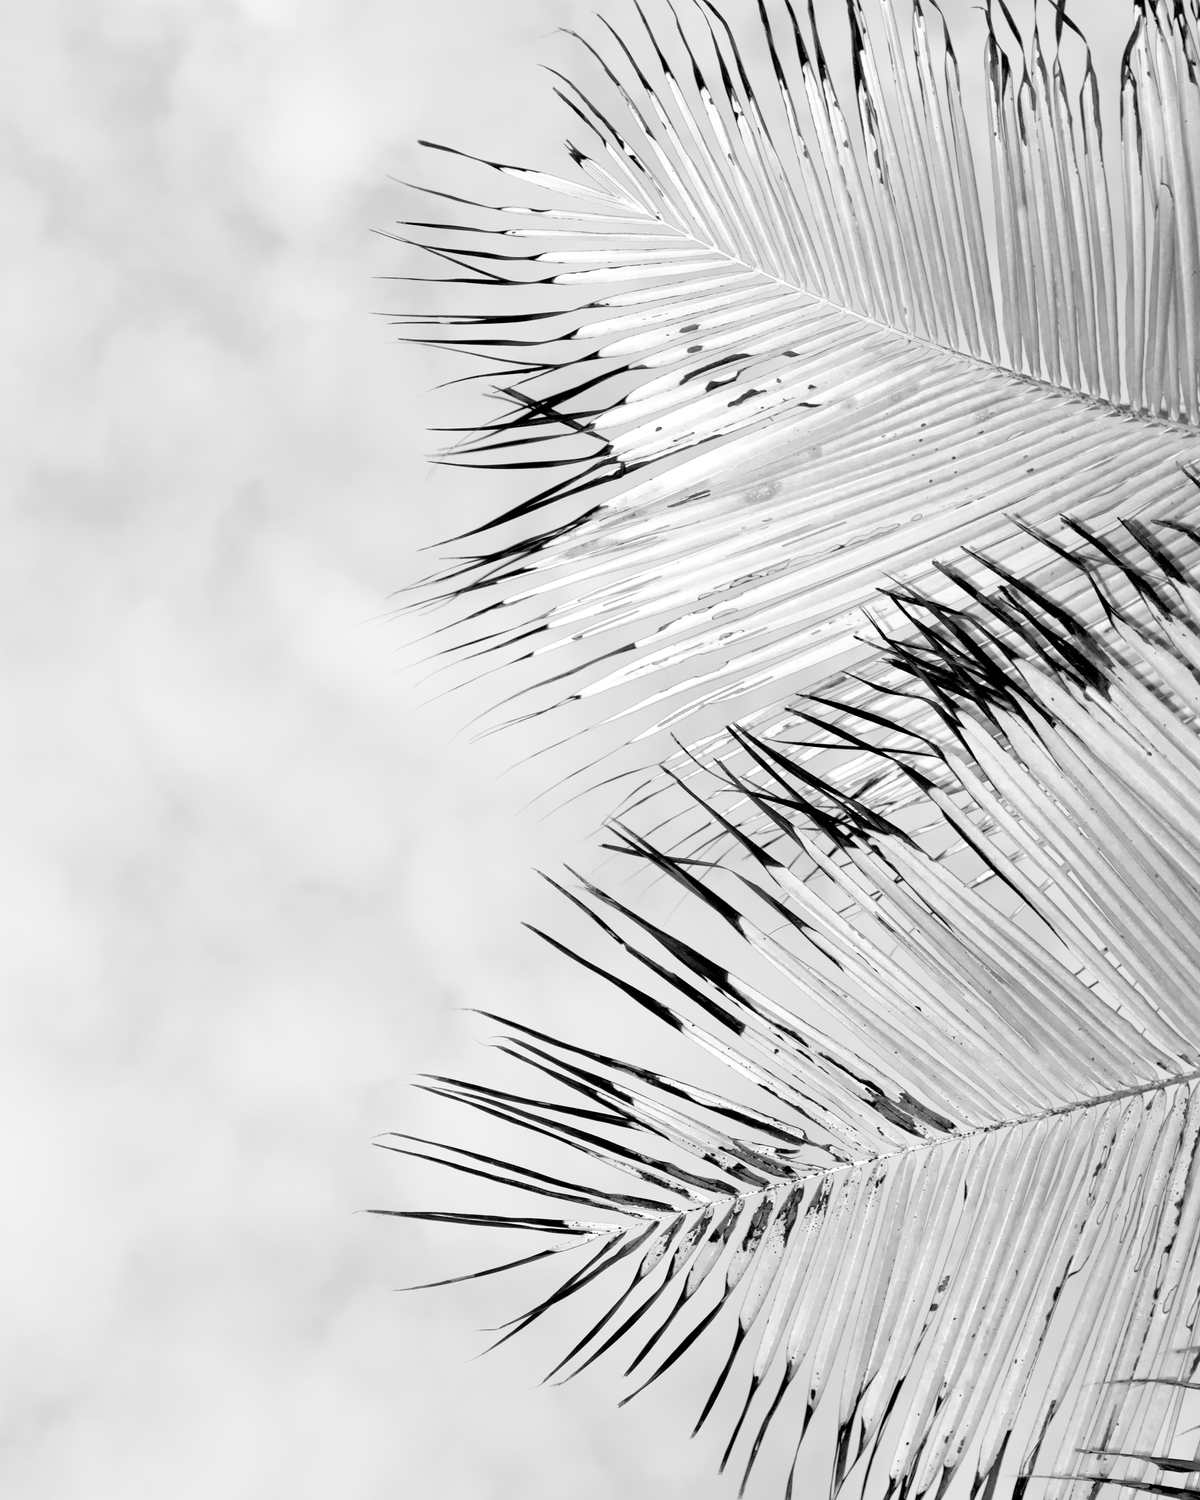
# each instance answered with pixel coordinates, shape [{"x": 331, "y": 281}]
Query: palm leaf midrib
[
  {"x": 954, "y": 1138},
  {"x": 904, "y": 336}
]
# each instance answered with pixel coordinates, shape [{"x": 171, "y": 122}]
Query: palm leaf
[
  {"x": 811, "y": 395},
  {"x": 768, "y": 359},
  {"x": 978, "y": 1085}
]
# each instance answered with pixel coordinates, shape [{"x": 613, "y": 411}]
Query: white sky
[{"x": 247, "y": 876}]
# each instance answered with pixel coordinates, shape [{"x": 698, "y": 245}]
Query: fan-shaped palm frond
[{"x": 801, "y": 378}]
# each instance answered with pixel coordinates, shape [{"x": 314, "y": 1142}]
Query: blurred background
[{"x": 252, "y": 876}]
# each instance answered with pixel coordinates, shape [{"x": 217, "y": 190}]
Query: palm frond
[
  {"x": 982, "y": 1083},
  {"x": 803, "y": 361},
  {"x": 1064, "y": 568},
  {"x": 821, "y": 397}
]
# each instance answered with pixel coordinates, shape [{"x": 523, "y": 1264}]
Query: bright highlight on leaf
[{"x": 822, "y": 376}]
